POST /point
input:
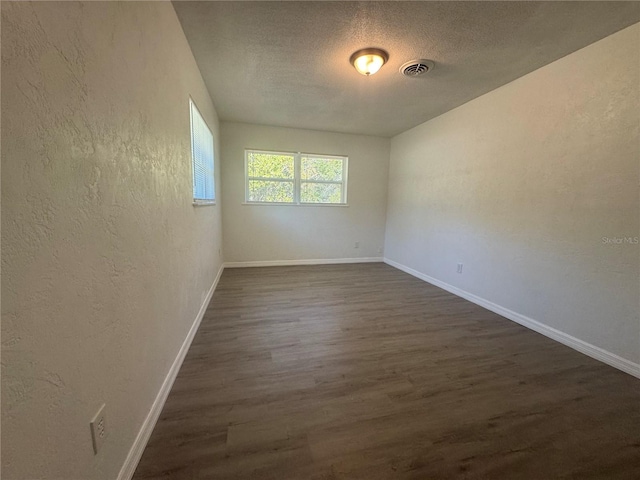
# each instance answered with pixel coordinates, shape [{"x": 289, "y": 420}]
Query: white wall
[
  {"x": 275, "y": 233},
  {"x": 105, "y": 262},
  {"x": 522, "y": 184}
]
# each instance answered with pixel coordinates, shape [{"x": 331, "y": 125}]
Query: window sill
[
  {"x": 274, "y": 204},
  {"x": 203, "y": 203}
]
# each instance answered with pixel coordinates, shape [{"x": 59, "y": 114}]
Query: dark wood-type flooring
[{"x": 364, "y": 372}]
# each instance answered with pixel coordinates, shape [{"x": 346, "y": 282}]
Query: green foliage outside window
[
  {"x": 272, "y": 178},
  {"x": 269, "y": 165},
  {"x": 262, "y": 191},
  {"x": 320, "y": 193},
  {"x": 313, "y": 168}
]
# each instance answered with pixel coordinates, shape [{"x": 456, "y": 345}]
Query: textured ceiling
[{"x": 287, "y": 63}]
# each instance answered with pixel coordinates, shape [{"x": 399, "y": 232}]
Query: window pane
[
  {"x": 270, "y": 165},
  {"x": 321, "y": 193},
  {"x": 318, "y": 168},
  {"x": 261, "y": 191},
  {"x": 202, "y": 157}
]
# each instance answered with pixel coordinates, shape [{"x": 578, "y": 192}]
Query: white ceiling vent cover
[{"x": 415, "y": 68}]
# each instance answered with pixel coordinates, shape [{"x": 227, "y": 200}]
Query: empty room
[{"x": 320, "y": 240}]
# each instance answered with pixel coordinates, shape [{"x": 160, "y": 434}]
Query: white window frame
[
  {"x": 193, "y": 108},
  {"x": 247, "y": 178},
  {"x": 297, "y": 178}
]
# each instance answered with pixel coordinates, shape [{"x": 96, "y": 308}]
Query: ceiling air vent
[{"x": 415, "y": 68}]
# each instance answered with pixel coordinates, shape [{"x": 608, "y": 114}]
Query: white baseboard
[
  {"x": 140, "y": 443},
  {"x": 285, "y": 263},
  {"x": 557, "y": 335}
]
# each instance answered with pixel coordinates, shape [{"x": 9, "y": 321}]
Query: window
[
  {"x": 202, "y": 157},
  {"x": 295, "y": 178}
]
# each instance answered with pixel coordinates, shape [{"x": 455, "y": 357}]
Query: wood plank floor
[{"x": 364, "y": 372}]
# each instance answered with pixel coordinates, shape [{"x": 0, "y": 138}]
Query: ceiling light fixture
[{"x": 369, "y": 60}]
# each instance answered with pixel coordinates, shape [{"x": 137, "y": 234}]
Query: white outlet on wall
[
  {"x": 98, "y": 429},
  {"x": 459, "y": 268}
]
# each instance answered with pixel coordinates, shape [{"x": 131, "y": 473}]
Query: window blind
[{"x": 202, "y": 157}]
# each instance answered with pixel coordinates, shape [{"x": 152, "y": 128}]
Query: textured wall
[
  {"x": 105, "y": 262},
  {"x": 259, "y": 232},
  {"x": 522, "y": 184}
]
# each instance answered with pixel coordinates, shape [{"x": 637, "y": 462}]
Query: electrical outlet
[
  {"x": 459, "y": 268},
  {"x": 357, "y": 245},
  {"x": 98, "y": 429}
]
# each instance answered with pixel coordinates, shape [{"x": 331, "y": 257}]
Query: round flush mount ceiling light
[{"x": 369, "y": 60}]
